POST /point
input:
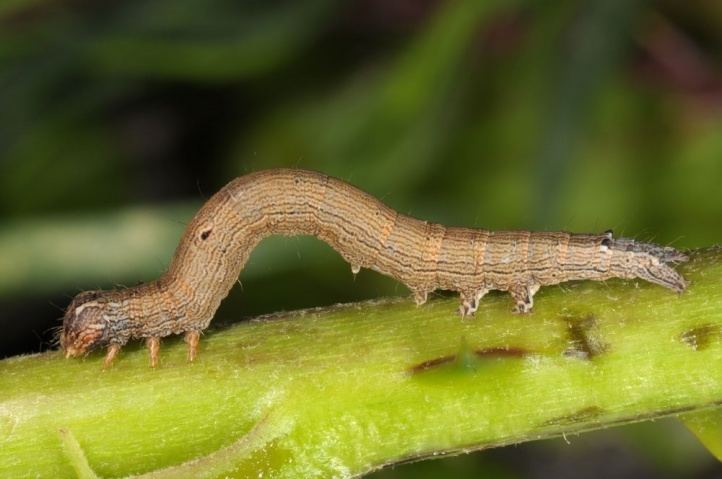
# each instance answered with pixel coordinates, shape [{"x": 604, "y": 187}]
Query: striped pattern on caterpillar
[{"x": 368, "y": 234}]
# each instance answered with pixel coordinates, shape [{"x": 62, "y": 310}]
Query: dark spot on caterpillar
[
  {"x": 431, "y": 363},
  {"x": 501, "y": 352},
  {"x": 206, "y": 233},
  {"x": 607, "y": 242},
  {"x": 584, "y": 414},
  {"x": 701, "y": 337},
  {"x": 584, "y": 340},
  {"x": 297, "y": 181}
]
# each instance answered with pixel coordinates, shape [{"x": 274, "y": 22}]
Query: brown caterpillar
[{"x": 368, "y": 234}]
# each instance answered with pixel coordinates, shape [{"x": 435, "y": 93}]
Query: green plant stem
[{"x": 342, "y": 391}]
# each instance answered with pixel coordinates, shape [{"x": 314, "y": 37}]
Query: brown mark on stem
[
  {"x": 584, "y": 414},
  {"x": 701, "y": 337},
  {"x": 497, "y": 352},
  {"x": 584, "y": 340},
  {"x": 501, "y": 352},
  {"x": 431, "y": 363}
]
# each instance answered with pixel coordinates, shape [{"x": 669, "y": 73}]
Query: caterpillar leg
[
  {"x": 113, "y": 351},
  {"x": 153, "y": 344},
  {"x": 470, "y": 302},
  {"x": 192, "y": 338},
  {"x": 523, "y": 296},
  {"x": 420, "y": 296}
]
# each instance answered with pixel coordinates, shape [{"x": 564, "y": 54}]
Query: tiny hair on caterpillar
[{"x": 367, "y": 234}]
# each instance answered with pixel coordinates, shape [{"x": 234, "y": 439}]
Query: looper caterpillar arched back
[{"x": 368, "y": 234}]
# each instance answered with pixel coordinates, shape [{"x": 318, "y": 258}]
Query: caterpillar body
[{"x": 368, "y": 234}]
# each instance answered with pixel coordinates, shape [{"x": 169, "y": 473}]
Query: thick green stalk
[{"x": 342, "y": 391}]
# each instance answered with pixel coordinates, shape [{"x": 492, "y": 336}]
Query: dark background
[{"x": 118, "y": 118}]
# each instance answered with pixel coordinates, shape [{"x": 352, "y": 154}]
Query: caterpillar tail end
[
  {"x": 663, "y": 275},
  {"x": 653, "y": 263}
]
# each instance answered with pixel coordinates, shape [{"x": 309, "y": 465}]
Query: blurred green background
[{"x": 117, "y": 120}]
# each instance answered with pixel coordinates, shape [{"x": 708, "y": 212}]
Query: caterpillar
[{"x": 368, "y": 234}]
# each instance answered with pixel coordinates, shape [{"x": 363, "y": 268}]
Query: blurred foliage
[
  {"x": 577, "y": 115},
  {"x": 707, "y": 426}
]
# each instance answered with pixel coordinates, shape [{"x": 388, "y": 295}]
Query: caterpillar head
[{"x": 85, "y": 325}]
